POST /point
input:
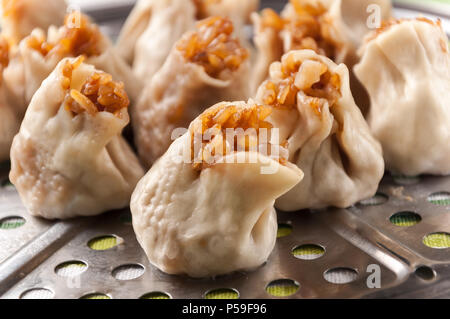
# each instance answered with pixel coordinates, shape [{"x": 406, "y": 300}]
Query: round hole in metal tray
[
  {"x": 282, "y": 287},
  {"x": 71, "y": 268},
  {"x": 128, "y": 272},
  {"x": 308, "y": 252},
  {"x": 284, "y": 229},
  {"x": 96, "y": 296},
  {"x": 12, "y": 222},
  {"x": 406, "y": 180},
  {"x": 222, "y": 293},
  {"x": 438, "y": 240},
  {"x": 37, "y": 293},
  {"x": 425, "y": 273},
  {"x": 378, "y": 199},
  {"x": 103, "y": 242},
  {"x": 156, "y": 295},
  {"x": 405, "y": 219},
  {"x": 340, "y": 275},
  {"x": 440, "y": 198}
]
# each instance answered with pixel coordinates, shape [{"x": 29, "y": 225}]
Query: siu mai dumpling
[
  {"x": 205, "y": 67},
  {"x": 154, "y": 26},
  {"x": 206, "y": 207},
  {"x": 334, "y": 28},
  {"x": 20, "y": 17},
  {"x": 40, "y": 52},
  {"x": 69, "y": 158},
  {"x": 405, "y": 67},
  {"x": 328, "y": 138}
]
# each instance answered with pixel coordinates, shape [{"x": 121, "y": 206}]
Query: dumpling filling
[
  {"x": 78, "y": 36},
  {"x": 307, "y": 25},
  {"x": 4, "y": 53},
  {"x": 215, "y": 124},
  {"x": 316, "y": 84},
  {"x": 98, "y": 94},
  {"x": 213, "y": 47}
]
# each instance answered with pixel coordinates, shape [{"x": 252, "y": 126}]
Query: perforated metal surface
[
  {"x": 42, "y": 259},
  {"x": 352, "y": 239}
]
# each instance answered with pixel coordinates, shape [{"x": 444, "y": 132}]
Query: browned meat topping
[
  {"x": 313, "y": 78},
  {"x": 213, "y": 47},
  {"x": 214, "y": 124},
  {"x": 79, "y": 36},
  {"x": 99, "y": 93}
]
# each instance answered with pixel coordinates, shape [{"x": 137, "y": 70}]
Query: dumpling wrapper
[
  {"x": 20, "y": 17},
  {"x": 405, "y": 67},
  {"x": 328, "y": 138},
  {"x": 183, "y": 87},
  {"x": 154, "y": 26},
  {"x": 70, "y": 160},
  {"x": 10, "y": 115},
  {"x": 9, "y": 125},
  {"x": 39, "y": 54},
  {"x": 213, "y": 220},
  {"x": 168, "y": 20}
]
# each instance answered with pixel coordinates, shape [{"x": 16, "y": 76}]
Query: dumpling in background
[
  {"x": 154, "y": 26},
  {"x": 334, "y": 28},
  {"x": 39, "y": 53},
  {"x": 151, "y": 31},
  {"x": 405, "y": 67},
  {"x": 328, "y": 138},
  {"x": 10, "y": 116},
  {"x": 237, "y": 11},
  {"x": 20, "y": 17},
  {"x": 9, "y": 126},
  {"x": 206, "y": 216},
  {"x": 205, "y": 67},
  {"x": 69, "y": 158}
]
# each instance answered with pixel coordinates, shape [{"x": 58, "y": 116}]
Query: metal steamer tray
[{"x": 393, "y": 245}]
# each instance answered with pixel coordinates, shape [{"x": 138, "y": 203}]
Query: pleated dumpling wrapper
[
  {"x": 206, "y": 207},
  {"x": 328, "y": 138},
  {"x": 154, "y": 26},
  {"x": 10, "y": 117},
  {"x": 405, "y": 67},
  {"x": 334, "y": 28},
  {"x": 69, "y": 158},
  {"x": 40, "y": 52},
  {"x": 205, "y": 67},
  {"x": 20, "y": 17}
]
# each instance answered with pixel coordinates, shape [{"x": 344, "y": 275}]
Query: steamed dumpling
[
  {"x": 10, "y": 115},
  {"x": 205, "y": 209},
  {"x": 334, "y": 28},
  {"x": 151, "y": 31},
  {"x": 205, "y": 67},
  {"x": 154, "y": 26},
  {"x": 405, "y": 67},
  {"x": 20, "y": 17},
  {"x": 69, "y": 158},
  {"x": 40, "y": 52},
  {"x": 328, "y": 138}
]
